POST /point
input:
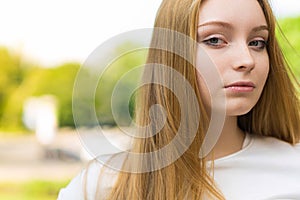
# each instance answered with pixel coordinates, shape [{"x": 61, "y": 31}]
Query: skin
[{"x": 233, "y": 33}]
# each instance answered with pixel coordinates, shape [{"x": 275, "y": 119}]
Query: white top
[{"x": 266, "y": 168}]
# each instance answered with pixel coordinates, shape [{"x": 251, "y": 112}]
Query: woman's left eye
[{"x": 260, "y": 44}]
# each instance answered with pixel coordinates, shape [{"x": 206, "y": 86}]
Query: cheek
[
  {"x": 208, "y": 76},
  {"x": 264, "y": 70},
  {"x": 204, "y": 92}
]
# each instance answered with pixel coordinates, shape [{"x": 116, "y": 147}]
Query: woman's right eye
[{"x": 214, "y": 41}]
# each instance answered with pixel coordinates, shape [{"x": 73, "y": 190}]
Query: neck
[{"x": 230, "y": 141}]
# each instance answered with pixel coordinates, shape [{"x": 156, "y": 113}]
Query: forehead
[{"x": 239, "y": 12}]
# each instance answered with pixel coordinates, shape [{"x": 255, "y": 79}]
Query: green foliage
[
  {"x": 31, "y": 190},
  {"x": 59, "y": 82},
  {"x": 12, "y": 112},
  {"x": 42, "y": 81},
  {"x": 290, "y": 42},
  {"x": 104, "y": 78},
  {"x": 11, "y": 75},
  {"x": 119, "y": 70}
]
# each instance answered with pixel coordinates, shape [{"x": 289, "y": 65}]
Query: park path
[{"x": 23, "y": 158}]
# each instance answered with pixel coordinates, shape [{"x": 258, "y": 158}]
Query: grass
[{"x": 31, "y": 190}]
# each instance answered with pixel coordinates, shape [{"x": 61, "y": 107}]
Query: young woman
[{"x": 256, "y": 155}]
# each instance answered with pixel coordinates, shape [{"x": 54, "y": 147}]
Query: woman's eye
[
  {"x": 260, "y": 44},
  {"x": 214, "y": 41}
]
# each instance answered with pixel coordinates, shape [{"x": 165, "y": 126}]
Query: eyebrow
[
  {"x": 230, "y": 26},
  {"x": 260, "y": 28},
  {"x": 217, "y": 23}
]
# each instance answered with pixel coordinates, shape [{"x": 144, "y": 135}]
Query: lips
[{"x": 241, "y": 86}]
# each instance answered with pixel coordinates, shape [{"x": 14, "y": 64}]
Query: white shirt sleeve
[{"x": 74, "y": 190}]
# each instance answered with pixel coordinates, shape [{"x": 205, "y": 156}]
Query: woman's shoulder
[
  {"x": 271, "y": 166},
  {"x": 258, "y": 148},
  {"x": 96, "y": 176},
  {"x": 272, "y": 147},
  {"x": 269, "y": 141}
]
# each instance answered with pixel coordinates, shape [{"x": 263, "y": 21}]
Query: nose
[{"x": 243, "y": 59}]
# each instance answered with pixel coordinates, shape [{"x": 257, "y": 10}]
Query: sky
[{"x": 51, "y": 32}]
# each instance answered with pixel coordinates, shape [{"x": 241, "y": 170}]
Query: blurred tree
[
  {"x": 41, "y": 81},
  {"x": 119, "y": 70},
  {"x": 104, "y": 78},
  {"x": 59, "y": 82},
  {"x": 11, "y": 75}
]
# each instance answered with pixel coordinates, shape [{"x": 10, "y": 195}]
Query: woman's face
[{"x": 233, "y": 33}]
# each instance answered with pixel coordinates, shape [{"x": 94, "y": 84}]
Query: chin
[{"x": 238, "y": 110}]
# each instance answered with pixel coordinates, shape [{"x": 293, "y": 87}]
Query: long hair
[{"x": 276, "y": 113}]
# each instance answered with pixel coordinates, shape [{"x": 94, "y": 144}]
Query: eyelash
[{"x": 260, "y": 46}]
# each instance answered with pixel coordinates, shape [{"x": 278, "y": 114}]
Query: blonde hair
[{"x": 276, "y": 114}]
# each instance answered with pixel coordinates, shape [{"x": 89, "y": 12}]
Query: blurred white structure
[{"x": 39, "y": 114}]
